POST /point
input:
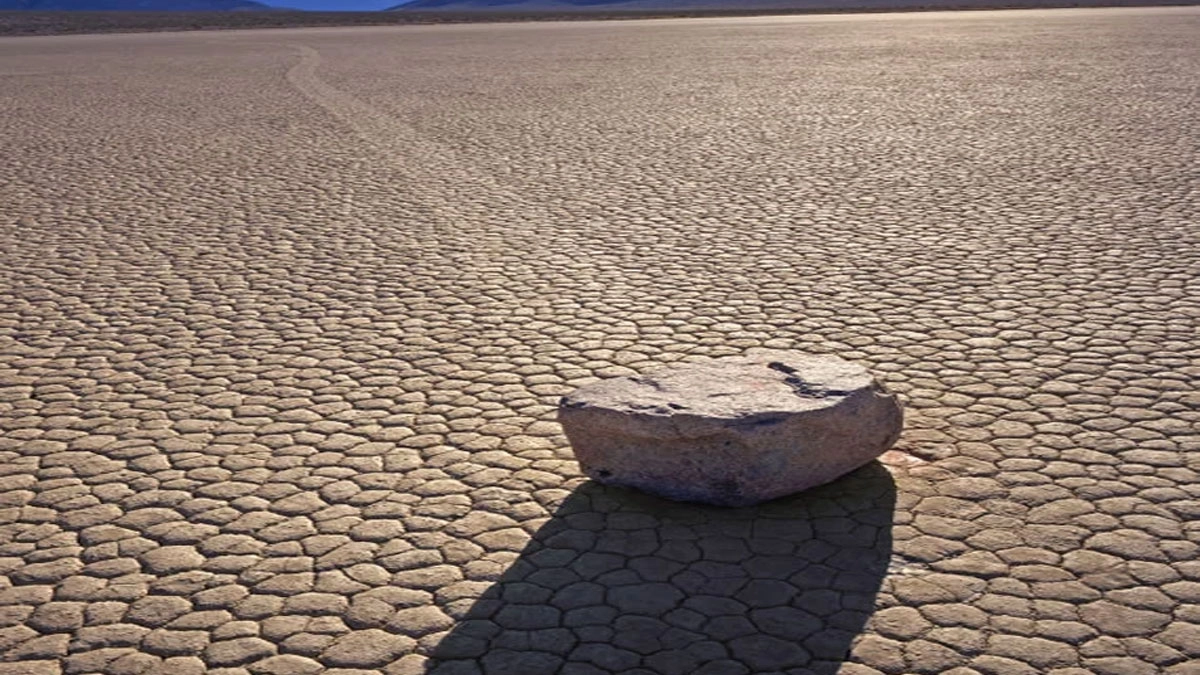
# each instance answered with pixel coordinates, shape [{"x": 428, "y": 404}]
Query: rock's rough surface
[{"x": 732, "y": 431}]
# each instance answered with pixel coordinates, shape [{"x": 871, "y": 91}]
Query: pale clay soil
[{"x": 285, "y": 317}]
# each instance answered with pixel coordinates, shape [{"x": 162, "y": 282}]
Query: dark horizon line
[
  {"x": 517, "y": 11},
  {"x": 32, "y": 23}
]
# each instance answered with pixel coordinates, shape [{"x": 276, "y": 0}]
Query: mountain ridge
[
  {"x": 134, "y": 6},
  {"x": 586, "y": 5}
]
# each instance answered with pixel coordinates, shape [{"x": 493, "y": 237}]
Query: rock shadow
[{"x": 621, "y": 582}]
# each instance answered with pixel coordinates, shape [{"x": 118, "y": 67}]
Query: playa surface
[{"x": 285, "y": 317}]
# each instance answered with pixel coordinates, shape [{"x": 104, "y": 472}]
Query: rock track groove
[{"x": 285, "y": 317}]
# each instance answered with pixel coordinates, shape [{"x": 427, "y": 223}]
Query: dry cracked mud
[{"x": 284, "y": 318}]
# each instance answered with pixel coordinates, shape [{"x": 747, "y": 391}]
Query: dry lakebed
[{"x": 286, "y": 315}]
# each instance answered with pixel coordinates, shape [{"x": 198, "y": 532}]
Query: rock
[{"x": 733, "y": 431}]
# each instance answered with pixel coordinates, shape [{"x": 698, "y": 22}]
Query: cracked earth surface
[{"x": 285, "y": 316}]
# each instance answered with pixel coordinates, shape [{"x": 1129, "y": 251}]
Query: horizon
[{"x": 333, "y": 5}]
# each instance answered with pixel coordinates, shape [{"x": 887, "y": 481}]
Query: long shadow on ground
[{"x": 620, "y": 582}]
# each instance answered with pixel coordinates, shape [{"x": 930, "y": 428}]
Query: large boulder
[{"x": 732, "y": 431}]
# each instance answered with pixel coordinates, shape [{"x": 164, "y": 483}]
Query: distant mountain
[
  {"x": 599, "y": 5},
  {"x": 133, "y": 5},
  {"x": 616, "y": 5}
]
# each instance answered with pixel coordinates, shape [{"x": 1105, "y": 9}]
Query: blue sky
[{"x": 334, "y": 5}]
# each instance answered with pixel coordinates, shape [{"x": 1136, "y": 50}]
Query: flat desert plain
[{"x": 285, "y": 317}]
